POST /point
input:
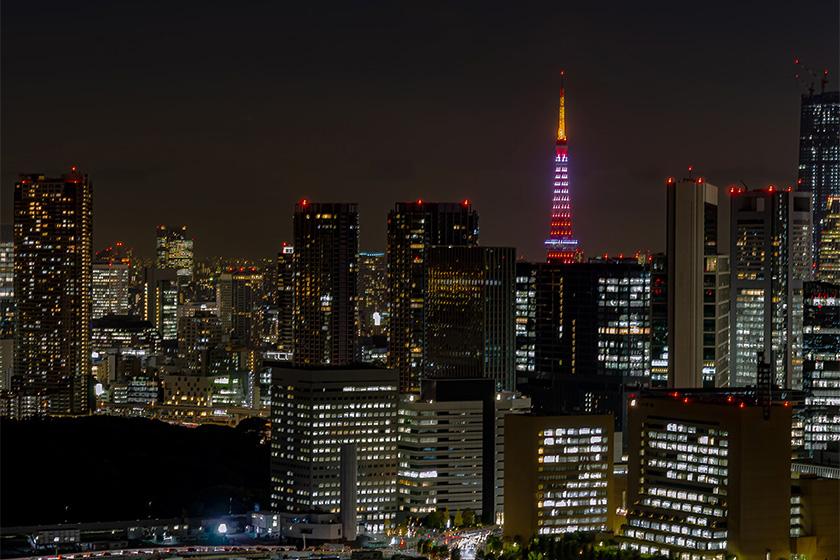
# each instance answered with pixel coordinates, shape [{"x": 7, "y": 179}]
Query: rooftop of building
[
  {"x": 128, "y": 322},
  {"x": 741, "y": 396}
]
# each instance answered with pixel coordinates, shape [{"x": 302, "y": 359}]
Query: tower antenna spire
[{"x": 561, "y": 122}]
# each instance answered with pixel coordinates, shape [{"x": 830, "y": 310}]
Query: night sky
[{"x": 220, "y": 115}]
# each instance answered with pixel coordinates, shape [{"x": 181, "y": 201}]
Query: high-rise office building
[
  {"x": 709, "y": 475},
  {"x": 659, "y": 320},
  {"x": 558, "y": 475},
  {"x": 373, "y": 294},
  {"x": 326, "y": 269},
  {"x": 7, "y": 307},
  {"x": 821, "y": 372},
  {"x": 111, "y": 281},
  {"x": 441, "y": 455},
  {"x": 451, "y": 448},
  {"x": 240, "y": 297},
  {"x": 819, "y": 159},
  {"x": 413, "y": 227},
  {"x": 198, "y": 334},
  {"x": 470, "y": 312},
  {"x": 52, "y": 284},
  {"x": 770, "y": 259},
  {"x": 526, "y": 319},
  {"x": 561, "y": 245},
  {"x": 698, "y": 284},
  {"x": 284, "y": 293},
  {"x": 592, "y": 336},
  {"x": 315, "y": 412},
  {"x": 7, "y": 282},
  {"x": 828, "y": 251},
  {"x": 175, "y": 251},
  {"x": 161, "y": 289}
]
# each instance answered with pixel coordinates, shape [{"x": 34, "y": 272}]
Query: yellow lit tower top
[{"x": 561, "y": 123}]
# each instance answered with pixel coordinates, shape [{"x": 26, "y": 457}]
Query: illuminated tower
[
  {"x": 52, "y": 285},
  {"x": 561, "y": 246}
]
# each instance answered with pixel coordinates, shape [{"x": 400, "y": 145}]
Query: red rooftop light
[
  {"x": 771, "y": 188},
  {"x": 742, "y": 405},
  {"x": 419, "y": 201}
]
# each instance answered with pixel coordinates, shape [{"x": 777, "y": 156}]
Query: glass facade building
[
  {"x": 771, "y": 241},
  {"x": 314, "y": 413},
  {"x": 413, "y": 227},
  {"x": 819, "y": 160}
]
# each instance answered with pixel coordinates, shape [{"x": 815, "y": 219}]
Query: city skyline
[{"x": 452, "y": 71}]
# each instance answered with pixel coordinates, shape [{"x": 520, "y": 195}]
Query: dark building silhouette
[
  {"x": 470, "y": 314},
  {"x": 413, "y": 227},
  {"x": 592, "y": 340},
  {"x": 325, "y": 267}
]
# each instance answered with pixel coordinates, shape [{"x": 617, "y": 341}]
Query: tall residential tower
[
  {"x": 52, "y": 283},
  {"x": 325, "y": 268}
]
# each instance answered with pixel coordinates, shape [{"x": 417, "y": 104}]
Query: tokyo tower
[{"x": 560, "y": 245}]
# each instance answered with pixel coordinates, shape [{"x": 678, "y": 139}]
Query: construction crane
[{"x": 804, "y": 68}]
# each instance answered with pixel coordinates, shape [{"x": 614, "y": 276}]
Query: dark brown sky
[{"x": 220, "y": 115}]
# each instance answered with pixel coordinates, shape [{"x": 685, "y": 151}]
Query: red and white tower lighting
[{"x": 560, "y": 245}]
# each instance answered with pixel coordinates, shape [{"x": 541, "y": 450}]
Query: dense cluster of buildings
[{"x": 446, "y": 375}]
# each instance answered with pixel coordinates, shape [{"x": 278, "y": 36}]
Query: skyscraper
[
  {"x": 111, "y": 281},
  {"x": 284, "y": 286},
  {"x": 240, "y": 295},
  {"x": 7, "y": 307},
  {"x": 770, "y": 259},
  {"x": 592, "y": 340},
  {"x": 52, "y": 264},
  {"x": 373, "y": 322},
  {"x": 697, "y": 284},
  {"x": 160, "y": 307},
  {"x": 526, "y": 315},
  {"x": 821, "y": 372},
  {"x": 175, "y": 251},
  {"x": 659, "y": 321},
  {"x": 828, "y": 252},
  {"x": 470, "y": 313},
  {"x": 373, "y": 294},
  {"x": 561, "y": 245},
  {"x": 7, "y": 283},
  {"x": 326, "y": 268},
  {"x": 819, "y": 159},
  {"x": 413, "y": 227}
]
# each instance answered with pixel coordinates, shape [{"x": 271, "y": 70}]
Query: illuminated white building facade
[
  {"x": 314, "y": 412},
  {"x": 558, "y": 474}
]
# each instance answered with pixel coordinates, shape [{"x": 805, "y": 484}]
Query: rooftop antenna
[{"x": 801, "y": 69}]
